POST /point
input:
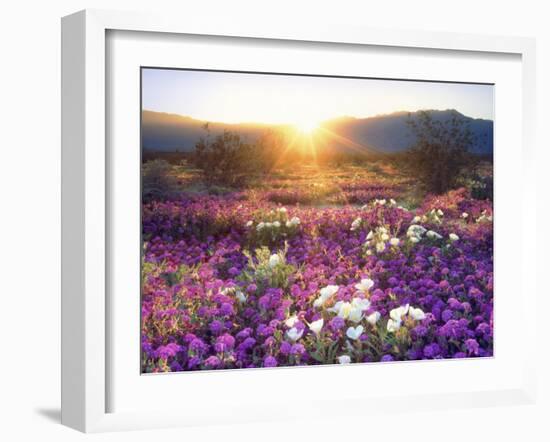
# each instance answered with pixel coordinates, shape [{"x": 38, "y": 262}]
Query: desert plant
[
  {"x": 157, "y": 180},
  {"x": 442, "y": 151},
  {"x": 225, "y": 159}
]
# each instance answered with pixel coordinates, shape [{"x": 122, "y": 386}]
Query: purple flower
[
  {"x": 168, "y": 350},
  {"x": 216, "y": 327},
  {"x": 226, "y": 309},
  {"x": 285, "y": 348},
  {"x": 234, "y": 271},
  {"x": 472, "y": 346},
  {"x": 431, "y": 351},
  {"x": 193, "y": 362},
  {"x": 246, "y": 344},
  {"x": 297, "y": 349},
  {"x": 419, "y": 331},
  {"x": 197, "y": 345},
  {"x": 483, "y": 329},
  {"x": 446, "y": 315},
  {"x": 270, "y": 361},
  {"x": 224, "y": 343},
  {"x": 244, "y": 333},
  {"x": 200, "y": 323},
  {"x": 337, "y": 323},
  {"x": 212, "y": 362}
]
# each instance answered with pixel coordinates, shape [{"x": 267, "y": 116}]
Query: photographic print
[{"x": 297, "y": 220}]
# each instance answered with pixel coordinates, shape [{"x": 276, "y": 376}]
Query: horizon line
[{"x": 236, "y": 123}]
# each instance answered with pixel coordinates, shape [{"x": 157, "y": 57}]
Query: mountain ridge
[{"x": 388, "y": 133}]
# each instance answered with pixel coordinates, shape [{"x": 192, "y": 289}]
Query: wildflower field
[{"x": 312, "y": 265}]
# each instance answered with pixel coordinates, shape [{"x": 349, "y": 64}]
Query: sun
[{"x": 307, "y": 126}]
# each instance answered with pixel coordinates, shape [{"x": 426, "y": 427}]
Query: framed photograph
[{"x": 249, "y": 214}]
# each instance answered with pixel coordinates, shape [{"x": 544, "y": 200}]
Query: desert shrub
[
  {"x": 225, "y": 160},
  {"x": 442, "y": 151},
  {"x": 481, "y": 187},
  {"x": 157, "y": 181},
  {"x": 266, "y": 269}
]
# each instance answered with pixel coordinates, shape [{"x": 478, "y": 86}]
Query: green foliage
[
  {"x": 268, "y": 270},
  {"x": 272, "y": 228},
  {"x": 157, "y": 181},
  {"x": 442, "y": 152},
  {"x": 227, "y": 160},
  {"x": 324, "y": 350},
  {"x": 480, "y": 187}
]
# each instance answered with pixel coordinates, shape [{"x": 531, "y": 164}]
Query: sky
[{"x": 302, "y": 100}]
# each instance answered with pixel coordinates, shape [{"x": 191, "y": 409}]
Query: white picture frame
[{"x": 85, "y": 197}]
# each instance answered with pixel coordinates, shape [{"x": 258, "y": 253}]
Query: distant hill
[{"x": 384, "y": 133}]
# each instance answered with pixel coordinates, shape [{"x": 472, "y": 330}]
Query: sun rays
[{"x": 308, "y": 139}]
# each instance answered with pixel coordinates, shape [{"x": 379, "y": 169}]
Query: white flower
[
  {"x": 397, "y": 313},
  {"x": 416, "y": 219},
  {"x": 381, "y": 202},
  {"x": 354, "y": 333},
  {"x": 380, "y": 246},
  {"x": 291, "y": 322},
  {"x": 369, "y": 252},
  {"x": 370, "y": 235},
  {"x": 274, "y": 260},
  {"x": 344, "y": 359},
  {"x": 439, "y": 212},
  {"x": 365, "y": 285},
  {"x": 276, "y": 224},
  {"x": 240, "y": 296},
  {"x": 453, "y": 237},
  {"x": 326, "y": 293},
  {"x": 268, "y": 224},
  {"x": 392, "y": 202},
  {"x": 417, "y": 314},
  {"x": 293, "y": 222},
  {"x": 316, "y": 326},
  {"x": 260, "y": 226},
  {"x": 343, "y": 309},
  {"x": 394, "y": 242},
  {"x": 249, "y": 223},
  {"x": 414, "y": 239},
  {"x": 356, "y": 224},
  {"x": 393, "y": 325},
  {"x": 319, "y": 302},
  {"x": 464, "y": 215},
  {"x": 433, "y": 235},
  {"x": 355, "y": 315},
  {"x": 294, "y": 334},
  {"x": 373, "y": 318},
  {"x": 282, "y": 210},
  {"x": 329, "y": 290},
  {"x": 382, "y": 230},
  {"x": 360, "y": 303},
  {"x": 416, "y": 230},
  {"x": 384, "y": 237}
]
